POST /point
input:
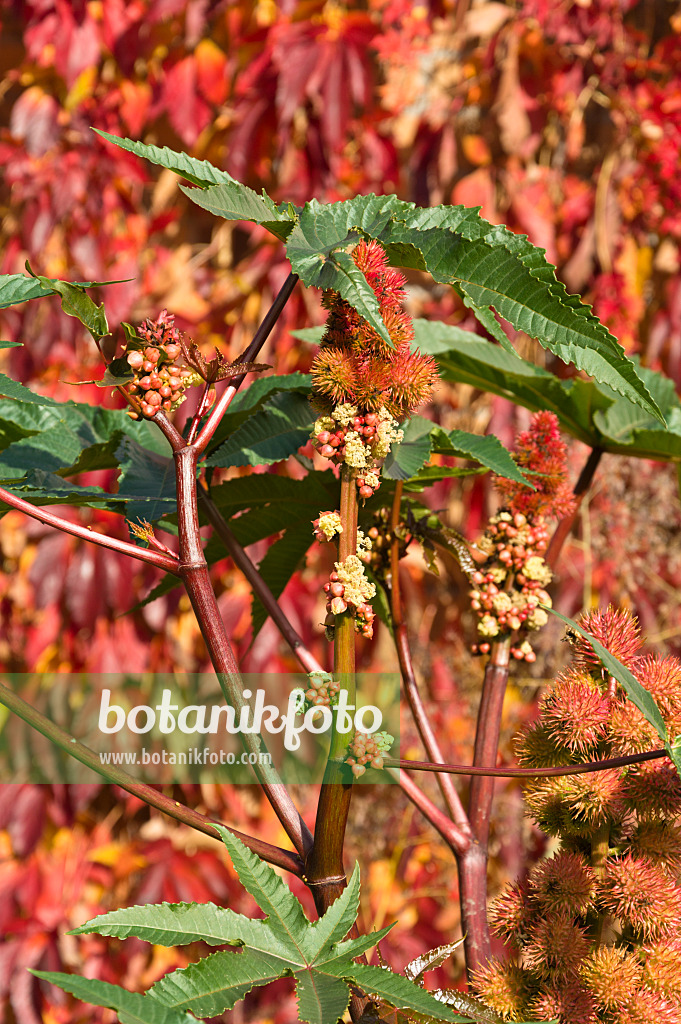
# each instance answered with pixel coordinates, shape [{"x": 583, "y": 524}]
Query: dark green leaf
[
  {"x": 131, "y": 1007},
  {"x": 406, "y": 458},
  {"x": 487, "y": 450},
  {"x": 11, "y": 389},
  {"x": 249, "y": 399},
  {"x": 274, "y": 432},
  {"x": 77, "y": 303},
  {"x": 279, "y": 564}
]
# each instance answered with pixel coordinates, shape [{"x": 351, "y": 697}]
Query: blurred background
[{"x": 561, "y": 119}]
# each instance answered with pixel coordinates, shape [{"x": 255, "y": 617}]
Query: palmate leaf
[
  {"x": 316, "y": 955},
  {"x": 12, "y": 389},
  {"x": 131, "y": 1007},
  {"x": 422, "y": 437},
  {"x": 492, "y": 275}
]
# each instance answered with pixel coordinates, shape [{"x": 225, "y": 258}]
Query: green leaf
[
  {"x": 147, "y": 481},
  {"x": 77, "y": 303},
  {"x": 131, "y": 1007},
  {"x": 317, "y": 247},
  {"x": 200, "y": 172},
  {"x": 636, "y": 693},
  {"x": 234, "y": 201},
  {"x": 491, "y": 274},
  {"x": 392, "y": 988},
  {"x": 285, "y": 915},
  {"x": 252, "y": 398},
  {"x": 18, "y": 288},
  {"x": 12, "y": 389},
  {"x": 176, "y": 924},
  {"x": 274, "y": 432},
  {"x": 406, "y": 458},
  {"x": 591, "y": 412},
  {"x": 487, "y": 450},
  {"x": 277, "y": 567}
]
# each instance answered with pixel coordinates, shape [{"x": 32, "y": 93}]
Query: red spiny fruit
[
  {"x": 642, "y": 896},
  {"x": 616, "y": 630},
  {"x": 355, "y": 365},
  {"x": 575, "y": 712},
  {"x": 541, "y": 450},
  {"x": 564, "y": 884}
]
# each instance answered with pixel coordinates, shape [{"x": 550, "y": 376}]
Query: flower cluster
[
  {"x": 359, "y": 441},
  {"x": 366, "y": 749},
  {"x": 597, "y": 926},
  {"x": 159, "y": 375},
  {"x": 348, "y": 589},
  {"x": 511, "y": 583},
  {"x": 541, "y": 451},
  {"x": 514, "y": 548}
]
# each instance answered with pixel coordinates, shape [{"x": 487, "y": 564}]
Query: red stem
[
  {"x": 167, "y": 562},
  {"x": 526, "y": 773},
  {"x": 117, "y": 776},
  {"x": 450, "y": 832},
  {"x": 564, "y": 527},
  {"x": 195, "y": 576},
  {"x": 258, "y": 585},
  {"x": 259, "y": 339}
]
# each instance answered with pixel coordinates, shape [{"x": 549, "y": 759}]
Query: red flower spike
[{"x": 541, "y": 450}]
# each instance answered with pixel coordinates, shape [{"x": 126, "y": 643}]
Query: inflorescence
[
  {"x": 160, "y": 375},
  {"x": 511, "y": 584}
]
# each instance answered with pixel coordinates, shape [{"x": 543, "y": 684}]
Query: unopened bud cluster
[
  {"x": 322, "y": 692},
  {"x": 159, "y": 374},
  {"x": 359, "y": 440},
  {"x": 510, "y": 585},
  {"x": 368, "y": 750},
  {"x": 348, "y": 590}
]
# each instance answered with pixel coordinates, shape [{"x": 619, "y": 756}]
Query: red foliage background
[{"x": 561, "y": 119}]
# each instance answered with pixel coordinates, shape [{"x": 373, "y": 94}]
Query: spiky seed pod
[
  {"x": 658, "y": 841},
  {"x": 642, "y": 896},
  {"x": 570, "y": 1002},
  {"x": 510, "y": 913},
  {"x": 504, "y": 987},
  {"x": 555, "y": 947},
  {"x": 653, "y": 789},
  {"x": 611, "y": 974},
  {"x": 575, "y": 713},
  {"x": 534, "y": 748},
  {"x": 661, "y": 971},
  {"x": 646, "y": 1007},
  {"x": 662, "y": 677},
  {"x": 617, "y": 630},
  {"x": 565, "y": 884},
  {"x": 629, "y": 731},
  {"x": 354, "y": 364}
]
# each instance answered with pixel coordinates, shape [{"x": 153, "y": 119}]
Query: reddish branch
[
  {"x": 117, "y": 776},
  {"x": 161, "y": 561}
]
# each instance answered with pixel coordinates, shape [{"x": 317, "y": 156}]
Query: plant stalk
[
  {"x": 325, "y": 872},
  {"x": 117, "y": 776},
  {"x": 194, "y": 572}
]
